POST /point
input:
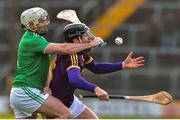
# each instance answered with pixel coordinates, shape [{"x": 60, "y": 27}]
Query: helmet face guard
[
  {"x": 74, "y": 30},
  {"x": 33, "y": 15}
]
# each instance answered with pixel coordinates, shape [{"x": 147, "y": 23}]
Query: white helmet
[{"x": 33, "y": 15}]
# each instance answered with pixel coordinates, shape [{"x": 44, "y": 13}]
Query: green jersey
[{"x": 32, "y": 62}]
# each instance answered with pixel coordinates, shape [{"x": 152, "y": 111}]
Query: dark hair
[{"x": 74, "y": 30}]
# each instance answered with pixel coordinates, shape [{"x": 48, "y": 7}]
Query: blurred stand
[
  {"x": 170, "y": 29},
  {"x": 153, "y": 33}
]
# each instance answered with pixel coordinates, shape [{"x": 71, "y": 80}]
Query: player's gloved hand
[{"x": 101, "y": 94}]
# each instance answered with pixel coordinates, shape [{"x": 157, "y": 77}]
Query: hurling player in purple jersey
[{"x": 68, "y": 68}]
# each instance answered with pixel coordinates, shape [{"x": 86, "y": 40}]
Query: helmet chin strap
[
  {"x": 35, "y": 25},
  {"x": 80, "y": 39}
]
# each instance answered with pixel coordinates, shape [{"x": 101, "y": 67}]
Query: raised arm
[{"x": 68, "y": 48}]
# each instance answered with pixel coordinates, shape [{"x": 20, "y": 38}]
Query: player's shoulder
[
  {"x": 63, "y": 57},
  {"x": 35, "y": 34},
  {"x": 74, "y": 55},
  {"x": 35, "y": 37},
  {"x": 32, "y": 35},
  {"x": 69, "y": 58}
]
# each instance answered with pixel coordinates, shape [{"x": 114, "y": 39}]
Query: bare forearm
[
  {"x": 48, "y": 78},
  {"x": 67, "y": 48},
  {"x": 74, "y": 48}
]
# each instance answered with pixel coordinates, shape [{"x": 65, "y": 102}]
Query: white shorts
[
  {"x": 26, "y": 100},
  {"x": 76, "y": 108}
]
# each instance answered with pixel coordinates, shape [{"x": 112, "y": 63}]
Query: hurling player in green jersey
[{"x": 29, "y": 92}]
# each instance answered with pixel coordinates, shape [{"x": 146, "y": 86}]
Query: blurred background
[{"x": 149, "y": 28}]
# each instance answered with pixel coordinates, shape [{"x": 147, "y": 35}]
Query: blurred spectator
[
  {"x": 178, "y": 30},
  {"x": 169, "y": 28},
  {"x": 152, "y": 32},
  {"x": 5, "y": 83},
  {"x": 9, "y": 80},
  {"x": 2, "y": 85}
]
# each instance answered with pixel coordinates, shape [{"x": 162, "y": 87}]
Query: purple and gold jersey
[{"x": 60, "y": 86}]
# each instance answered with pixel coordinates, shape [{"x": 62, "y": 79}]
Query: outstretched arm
[
  {"x": 68, "y": 48},
  {"x": 105, "y": 67}
]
